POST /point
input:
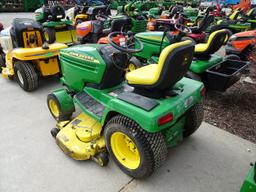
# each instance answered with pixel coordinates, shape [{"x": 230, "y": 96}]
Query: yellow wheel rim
[
  {"x": 125, "y": 150},
  {"x": 131, "y": 67},
  {"x": 54, "y": 108}
]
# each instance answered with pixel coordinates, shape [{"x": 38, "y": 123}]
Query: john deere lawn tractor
[
  {"x": 134, "y": 120},
  {"x": 56, "y": 26},
  {"x": 26, "y": 55},
  {"x": 232, "y": 23},
  {"x": 249, "y": 184},
  {"x": 216, "y": 73},
  {"x": 139, "y": 21}
]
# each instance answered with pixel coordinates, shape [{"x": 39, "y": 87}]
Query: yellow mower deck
[{"x": 80, "y": 138}]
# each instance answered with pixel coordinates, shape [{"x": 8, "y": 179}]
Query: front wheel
[
  {"x": 136, "y": 152},
  {"x": 26, "y": 75},
  {"x": 54, "y": 107}
]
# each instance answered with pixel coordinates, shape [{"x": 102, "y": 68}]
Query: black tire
[
  {"x": 62, "y": 115},
  {"x": 135, "y": 62},
  {"x": 51, "y": 33},
  {"x": 233, "y": 57},
  {"x": 26, "y": 75},
  {"x": 193, "y": 76},
  {"x": 151, "y": 147},
  {"x": 189, "y": 38},
  {"x": 194, "y": 117},
  {"x": 54, "y": 132},
  {"x": 2, "y": 63}
]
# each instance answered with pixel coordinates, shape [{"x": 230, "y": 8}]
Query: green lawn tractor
[
  {"x": 232, "y": 23},
  {"x": 139, "y": 21},
  {"x": 250, "y": 17},
  {"x": 249, "y": 184},
  {"x": 56, "y": 26},
  {"x": 134, "y": 120},
  {"x": 216, "y": 73}
]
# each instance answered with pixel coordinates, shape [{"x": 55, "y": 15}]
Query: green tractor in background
[
  {"x": 134, "y": 120},
  {"x": 56, "y": 26},
  {"x": 139, "y": 21},
  {"x": 216, "y": 73},
  {"x": 249, "y": 184}
]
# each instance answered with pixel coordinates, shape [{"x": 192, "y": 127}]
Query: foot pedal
[{"x": 90, "y": 104}]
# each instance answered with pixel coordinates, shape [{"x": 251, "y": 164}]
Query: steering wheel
[
  {"x": 130, "y": 40},
  {"x": 182, "y": 28}
]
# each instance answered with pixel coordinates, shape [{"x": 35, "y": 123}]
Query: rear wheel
[
  {"x": 26, "y": 75},
  {"x": 136, "y": 152},
  {"x": 194, "y": 117},
  {"x": 55, "y": 109}
]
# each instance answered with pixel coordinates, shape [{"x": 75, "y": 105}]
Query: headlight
[{"x": 232, "y": 38}]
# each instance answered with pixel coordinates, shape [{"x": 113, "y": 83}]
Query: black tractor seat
[
  {"x": 213, "y": 44},
  {"x": 122, "y": 24},
  {"x": 208, "y": 19},
  {"x": 158, "y": 80}
]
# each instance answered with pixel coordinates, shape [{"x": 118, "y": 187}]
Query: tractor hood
[
  {"x": 80, "y": 64},
  {"x": 82, "y": 53}
]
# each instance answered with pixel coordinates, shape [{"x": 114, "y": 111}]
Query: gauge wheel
[
  {"x": 55, "y": 109},
  {"x": 135, "y": 151},
  {"x": 102, "y": 159},
  {"x": 26, "y": 75}
]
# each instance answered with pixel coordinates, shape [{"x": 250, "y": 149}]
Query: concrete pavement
[{"x": 211, "y": 160}]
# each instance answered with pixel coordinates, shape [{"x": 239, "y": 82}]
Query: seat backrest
[
  {"x": 208, "y": 19},
  {"x": 26, "y": 33},
  {"x": 234, "y": 15},
  {"x": 174, "y": 62},
  {"x": 124, "y": 24},
  {"x": 215, "y": 41}
]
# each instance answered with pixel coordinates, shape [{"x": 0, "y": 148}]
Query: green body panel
[
  {"x": 174, "y": 134},
  {"x": 58, "y": 24},
  {"x": 151, "y": 42},
  {"x": 66, "y": 101},
  {"x": 188, "y": 95},
  {"x": 80, "y": 64},
  {"x": 249, "y": 184},
  {"x": 200, "y": 66},
  {"x": 139, "y": 25}
]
